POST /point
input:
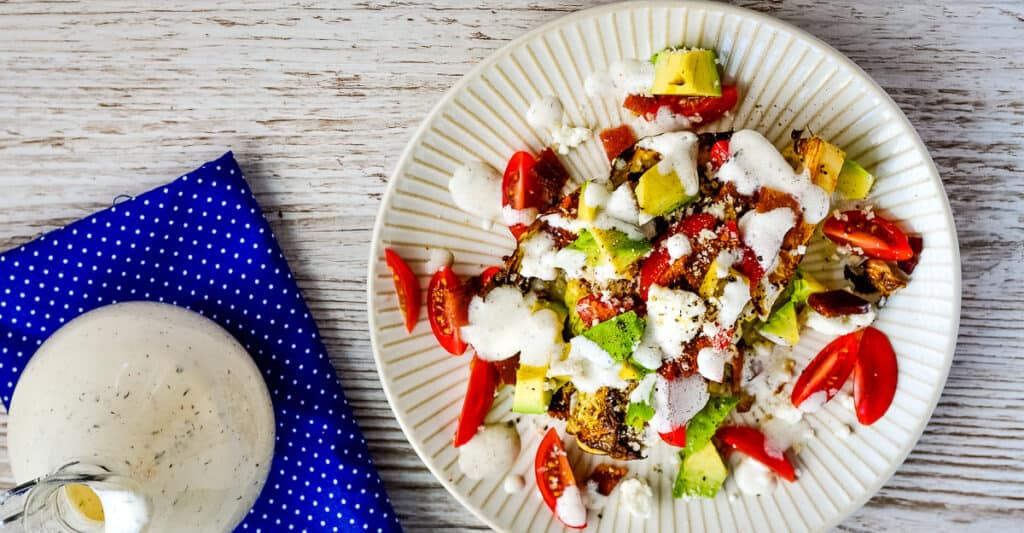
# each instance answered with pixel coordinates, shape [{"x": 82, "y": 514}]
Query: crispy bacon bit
[
  {"x": 883, "y": 277},
  {"x": 686, "y": 364},
  {"x": 617, "y": 140},
  {"x": 607, "y": 477},
  {"x": 507, "y": 370},
  {"x": 916, "y": 244},
  {"x": 562, "y": 237}
]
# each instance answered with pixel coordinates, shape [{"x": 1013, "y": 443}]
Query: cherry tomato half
[
  {"x": 407, "y": 287},
  {"x": 516, "y": 186},
  {"x": 829, "y": 370},
  {"x": 874, "y": 376},
  {"x": 719, "y": 153},
  {"x": 876, "y": 237},
  {"x": 751, "y": 442},
  {"x": 483, "y": 382},
  {"x": 447, "y": 305},
  {"x": 554, "y": 475},
  {"x": 676, "y": 437},
  {"x": 592, "y": 309}
]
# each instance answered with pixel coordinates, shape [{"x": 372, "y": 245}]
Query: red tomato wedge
[
  {"x": 483, "y": 382},
  {"x": 719, "y": 153},
  {"x": 676, "y": 437},
  {"x": 617, "y": 140},
  {"x": 488, "y": 274},
  {"x": 447, "y": 308},
  {"x": 694, "y": 224},
  {"x": 876, "y": 236},
  {"x": 708, "y": 108},
  {"x": 517, "y": 189},
  {"x": 407, "y": 287},
  {"x": 592, "y": 309},
  {"x": 652, "y": 268},
  {"x": 748, "y": 265},
  {"x": 554, "y": 476},
  {"x": 829, "y": 370},
  {"x": 874, "y": 376},
  {"x": 751, "y": 442}
]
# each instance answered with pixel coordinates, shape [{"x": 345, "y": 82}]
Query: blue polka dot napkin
[{"x": 202, "y": 243}]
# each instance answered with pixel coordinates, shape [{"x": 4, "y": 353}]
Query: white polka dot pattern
[{"x": 202, "y": 243}]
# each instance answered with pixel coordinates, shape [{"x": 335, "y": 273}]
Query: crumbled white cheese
[
  {"x": 839, "y": 325},
  {"x": 673, "y": 316},
  {"x": 503, "y": 324},
  {"x": 677, "y": 246},
  {"x": 538, "y": 257},
  {"x": 764, "y": 233},
  {"x": 566, "y": 137},
  {"x": 492, "y": 450},
  {"x": 716, "y": 209},
  {"x": 439, "y": 257},
  {"x": 636, "y": 496},
  {"x": 476, "y": 189},
  {"x": 676, "y": 401},
  {"x": 755, "y": 163},
  {"x": 569, "y": 507},
  {"x": 678, "y": 154},
  {"x": 711, "y": 363}
]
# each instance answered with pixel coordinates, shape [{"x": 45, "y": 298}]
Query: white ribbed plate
[{"x": 788, "y": 79}]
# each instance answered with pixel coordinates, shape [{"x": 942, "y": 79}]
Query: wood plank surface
[{"x": 318, "y": 99}]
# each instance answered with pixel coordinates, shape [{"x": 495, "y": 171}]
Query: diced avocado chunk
[
  {"x": 585, "y": 243},
  {"x": 804, "y": 286},
  {"x": 701, "y": 474},
  {"x": 704, "y": 424},
  {"x": 659, "y": 194},
  {"x": 637, "y": 414},
  {"x": 782, "y": 326},
  {"x": 686, "y": 73},
  {"x": 586, "y": 212},
  {"x": 618, "y": 335},
  {"x": 532, "y": 394},
  {"x": 574, "y": 290},
  {"x": 854, "y": 182},
  {"x": 621, "y": 250}
]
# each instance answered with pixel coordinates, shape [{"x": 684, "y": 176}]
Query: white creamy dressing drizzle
[
  {"x": 476, "y": 189},
  {"x": 754, "y": 163},
  {"x": 642, "y": 392},
  {"x": 622, "y": 204},
  {"x": 569, "y": 507},
  {"x": 840, "y": 325},
  {"x": 511, "y": 216},
  {"x": 547, "y": 115},
  {"x": 538, "y": 259},
  {"x": 678, "y": 154},
  {"x": 731, "y": 303},
  {"x": 124, "y": 510},
  {"x": 711, "y": 363},
  {"x": 503, "y": 324},
  {"x": 589, "y": 366},
  {"x": 673, "y": 317},
  {"x": 492, "y": 450},
  {"x": 765, "y": 232},
  {"x": 676, "y": 401},
  {"x": 439, "y": 258}
]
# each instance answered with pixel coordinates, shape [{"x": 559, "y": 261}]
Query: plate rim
[{"x": 834, "y": 54}]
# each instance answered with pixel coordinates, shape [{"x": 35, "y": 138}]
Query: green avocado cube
[
  {"x": 574, "y": 290},
  {"x": 618, "y": 335},
  {"x": 701, "y": 474},
  {"x": 782, "y": 326},
  {"x": 659, "y": 194},
  {"x": 621, "y": 250},
  {"x": 704, "y": 424},
  {"x": 854, "y": 182},
  {"x": 531, "y": 394}
]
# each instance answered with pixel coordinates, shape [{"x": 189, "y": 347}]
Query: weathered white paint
[{"x": 317, "y": 100}]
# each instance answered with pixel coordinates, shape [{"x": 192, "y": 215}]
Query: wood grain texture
[{"x": 317, "y": 101}]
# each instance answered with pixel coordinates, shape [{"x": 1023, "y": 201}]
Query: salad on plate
[{"x": 658, "y": 305}]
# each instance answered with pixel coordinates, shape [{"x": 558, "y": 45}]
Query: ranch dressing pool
[{"x": 163, "y": 398}]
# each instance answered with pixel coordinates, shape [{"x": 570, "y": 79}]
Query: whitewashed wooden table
[{"x": 317, "y": 100}]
